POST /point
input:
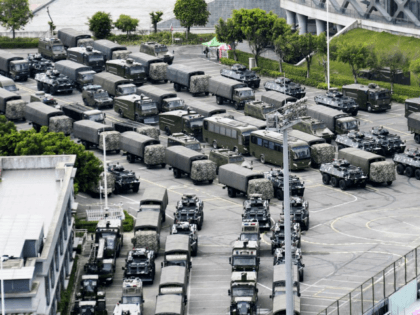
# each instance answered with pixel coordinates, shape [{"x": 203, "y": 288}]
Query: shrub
[
  {"x": 227, "y": 61},
  {"x": 19, "y": 42},
  {"x": 63, "y": 305},
  {"x": 90, "y": 226},
  {"x": 100, "y": 24},
  {"x": 164, "y": 37}
]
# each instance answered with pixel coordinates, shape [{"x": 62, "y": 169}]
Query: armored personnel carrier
[
  {"x": 124, "y": 180},
  {"x": 356, "y": 139},
  {"x": 255, "y": 208},
  {"x": 190, "y": 229},
  {"x": 240, "y": 73},
  {"x": 285, "y": 86},
  {"x": 89, "y": 300},
  {"x": 132, "y": 298},
  {"x": 299, "y": 212},
  {"x": 190, "y": 209},
  {"x": 389, "y": 143},
  {"x": 53, "y": 82},
  {"x": 297, "y": 187},
  {"x": 158, "y": 50},
  {"x": 342, "y": 173},
  {"x": 408, "y": 163},
  {"x": 250, "y": 231},
  {"x": 278, "y": 237},
  {"x": 140, "y": 263},
  {"x": 280, "y": 258},
  {"x": 333, "y": 98},
  {"x": 96, "y": 97},
  {"x": 37, "y": 64}
]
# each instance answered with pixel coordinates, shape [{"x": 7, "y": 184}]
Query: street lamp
[
  {"x": 328, "y": 46},
  {"x": 3, "y": 258},
  {"x": 105, "y": 176}
]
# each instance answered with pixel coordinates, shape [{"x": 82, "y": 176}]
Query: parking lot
[{"x": 353, "y": 233}]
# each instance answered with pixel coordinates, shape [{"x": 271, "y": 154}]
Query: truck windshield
[
  {"x": 100, "y": 95},
  {"x": 20, "y": 67},
  {"x": 97, "y": 117},
  {"x": 176, "y": 104},
  {"x": 382, "y": 95},
  {"x": 197, "y": 122},
  {"x": 181, "y": 263},
  {"x": 106, "y": 268},
  {"x": 58, "y": 48},
  {"x": 300, "y": 153},
  {"x": 242, "y": 290},
  {"x": 96, "y": 57},
  {"x": 89, "y": 285},
  {"x": 131, "y": 300},
  {"x": 318, "y": 126},
  {"x": 161, "y": 49},
  {"x": 127, "y": 90},
  {"x": 246, "y": 93},
  {"x": 266, "y": 110},
  {"x": 136, "y": 70},
  {"x": 11, "y": 88},
  {"x": 110, "y": 240},
  {"x": 194, "y": 146},
  {"x": 244, "y": 261},
  {"x": 350, "y": 125},
  {"x": 249, "y": 237},
  {"x": 148, "y": 106},
  {"x": 87, "y": 77}
]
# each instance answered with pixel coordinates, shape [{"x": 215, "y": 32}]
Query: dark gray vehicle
[
  {"x": 140, "y": 263},
  {"x": 71, "y": 37},
  {"x": 8, "y": 106},
  {"x": 137, "y": 108},
  {"x": 240, "y": 73},
  {"x": 333, "y": 98},
  {"x": 185, "y": 121},
  {"x": 369, "y": 97},
  {"x": 184, "y": 140},
  {"x": 54, "y": 82},
  {"x": 297, "y": 187},
  {"x": 38, "y": 64},
  {"x": 413, "y": 124},
  {"x": 51, "y": 48},
  {"x": 170, "y": 304},
  {"x": 107, "y": 48},
  {"x": 276, "y": 99},
  {"x": 231, "y": 91},
  {"x": 155, "y": 68},
  {"x": 408, "y": 163},
  {"x": 206, "y": 110},
  {"x": 255, "y": 208},
  {"x": 81, "y": 75},
  {"x": 337, "y": 121},
  {"x": 39, "y": 114},
  {"x": 299, "y": 212},
  {"x": 279, "y": 291},
  {"x": 89, "y": 134},
  {"x": 157, "y": 50},
  {"x": 177, "y": 252},
  {"x": 143, "y": 148},
  {"x": 79, "y": 112},
  {"x": 356, "y": 139},
  {"x": 124, "y": 179},
  {"x": 342, "y": 173},
  {"x": 114, "y": 85},
  {"x": 314, "y": 127},
  {"x": 155, "y": 197},
  {"x": 128, "y": 69},
  {"x": 278, "y": 236},
  {"x": 412, "y": 105},
  {"x": 127, "y": 125},
  {"x": 285, "y": 86},
  {"x": 174, "y": 279},
  {"x": 166, "y": 101},
  {"x": 13, "y": 66},
  {"x": 88, "y": 57},
  {"x": 189, "y": 229},
  {"x": 258, "y": 109},
  {"x": 390, "y": 143},
  {"x": 192, "y": 79},
  {"x": 190, "y": 209},
  {"x": 96, "y": 97}
]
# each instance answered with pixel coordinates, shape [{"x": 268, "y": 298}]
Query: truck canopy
[
  {"x": 236, "y": 176},
  {"x": 155, "y": 196},
  {"x": 155, "y": 93},
  {"x": 181, "y": 74},
  {"x": 6, "y": 96},
  {"x": 109, "y": 81},
  {"x": 182, "y": 157},
  {"x": 89, "y": 130},
  {"x": 279, "y": 305},
  {"x": 310, "y": 139},
  {"x": 71, "y": 68},
  {"x": 360, "y": 158},
  {"x": 325, "y": 114},
  {"x": 145, "y": 59},
  {"x": 412, "y": 105},
  {"x": 207, "y": 110},
  {"x": 107, "y": 47},
  {"x": 148, "y": 220},
  {"x": 413, "y": 120},
  {"x": 40, "y": 113},
  {"x": 169, "y": 305},
  {"x": 70, "y": 36},
  {"x": 277, "y": 99},
  {"x": 260, "y": 124},
  {"x": 134, "y": 143},
  {"x": 173, "y": 275},
  {"x": 6, "y": 58},
  {"x": 280, "y": 274},
  {"x": 177, "y": 243},
  {"x": 223, "y": 86}
]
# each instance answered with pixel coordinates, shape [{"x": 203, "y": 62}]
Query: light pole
[
  {"x": 105, "y": 177},
  {"x": 328, "y": 46},
  {"x": 3, "y": 258}
]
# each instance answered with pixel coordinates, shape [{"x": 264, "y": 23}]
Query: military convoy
[
  {"x": 113, "y": 84},
  {"x": 285, "y": 86},
  {"x": 158, "y": 50},
  {"x": 127, "y": 69},
  {"x": 39, "y": 114},
  {"x": 12, "y": 105},
  {"x": 155, "y": 68},
  {"x": 13, "y": 66},
  {"x": 184, "y": 121},
  {"x": 296, "y": 186},
  {"x": 255, "y": 208},
  {"x": 190, "y": 229},
  {"x": 73, "y": 38},
  {"x": 231, "y": 91},
  {"x": 108, "y": 48},
  {"x": 340, "y": 173},
  {"x": 240, "y": 73},
  {"x": 96, "y": 97},
  {"x": 333, "y": 98},
  {"x": 52, "y": 81},
  {"x": 183, "y": 77},
  {"x": 79, "y": 112},
  {"x": 243, "y": 293},
  {"x": 408, "y": 163},
  {"x": 143, "y": 148},
  {"x": 337, "y": 121},
  {"x": 124, "y": 180},
  {"x": 224, "y": 156},
  {"x": 137, "y": 107},
  {"x": 190, "y": 209},
  {"x": 356, "y": 139},
  {"x": 81, "y": 75},
  {"x": 38, "y": 64},
  {"x": 166, "y": 101},
  {"x": 51, "y": 48},
  {"x": 140, "y": 264},
  {"x": 88, "y": 57},
  {"x": 184, "y": 140},
  {"x": 369, "y": 97}
]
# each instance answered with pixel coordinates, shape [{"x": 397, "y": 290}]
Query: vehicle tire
[
  {"x": 417, "y": 174},
  {"x": 417, "y": 138},
  {"x": 363, "y": 185},
  {"x": 164, "y": 218},
  {"x": 206, "y": 93},
  {"x": 194, "y": 94},
  {"x": 177, "y": 87},
  {"x": 136, "y": 117},
  {"x": 130, "y": 158},
  {"x": 389, "y": 183},
  {"x": 231, "y": 192},
  {"x": 340, "y": 147},
  {"x": 117, "y": 190},
  {"x": 120, "y": 112},
  {"x": 218, "y": 100},
  {"x": 334, "y": 181},
  {"x": 210, "y": 181},
  {"x": 165, "y": 81},
  {"x": 167, "y": 131},
  {"x": 354, "y": 113},
  {"x": 400, "y": 169},
  {"x": 177, "y": 173},
  {"x": 409, "y": 172},
  {"x": 118, "y": 151},
  {"x": 237, "y": 106},
  {"x": 342, "y": 184},
  {"x": 194, "y": 252},
  {"x": 236, "y": 150},
  {"x": 279, "y": 194},
  {"x": 369, "y": 108},
  {"x": 301, "y": 276},
  {"x": 163, "y": 165},
  {"x": 46, "y": 88},
  {"x": 262, "y": 159},
  {"x": 39, "y": 86},
  {"x": 85, "y": 102},
  {"x": 214, "y": 144},
  {"x": 326, "y": 179},
  {"x": 136, "y": 189},
  {"x": 195, "y": 182},
  {"x": 200, "y": 226}
]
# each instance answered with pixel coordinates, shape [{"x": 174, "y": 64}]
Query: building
[{"x": 36, "y": 230}]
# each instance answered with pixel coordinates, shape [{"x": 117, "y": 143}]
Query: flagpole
[{"x": 172, "y": 33}]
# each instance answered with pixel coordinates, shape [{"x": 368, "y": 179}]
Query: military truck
[
  {"x": 184, "y": 140},
  {"x": 38, "y": 64},
  {"x": 412, "y": 105},
  {"x": 89, "y": 289},
  {"x": 224, "y": 156},
  {"x": 8, "y": 84},
  {"x": 230, "y": 91},
  {"x": 187, "y": 228},
  {"x": 413, "y": 124},
  {"x": 285, "y": 86},
  {"x": 113, "y": 84},
  {"x": 260, "y": 124},
  {"x": 143, "y": 129},
  {"x": 276, "y": 99},
  {"x": 299, "y": 212},
  {"x": 240, "y": 180},
  {"x": 51, "y": 48},
  {"x": 91, "y": 134},
  {"x": 39, "y": 114},
  {"x": 112, "y": 231},
  {"x": 243, "y": 293},
  {"x": 128, "y": 69},
  {"x": 147, "y": 229},
  {"x": 297, "y": 261},
  {"x": 341, "y": 173},
  {"x": 206, "y": 110},
  {"x": 240, "y": 73},
  {"x": 47, "y": 99},
  {"x": 191, "y": 163},
  {"x": 157, "y": 50},
  {"x": 192, "y": 79},
  {"x": 389, "y": 143},
  {"x": 96, "y": 97},
  {"x": 177, "y": 252},
  {"x": 408, "y": 163},
  {"x": 88, "y": 57},
  {"x": 124, "y": 180},
  {"x": 185, "y": 121},
  {"x": 71, "y": 37},
  {"x": 258, "y": 109},
  {"x": 155, "y": 198},
  {"x": 166, "y": 101},
  {"x": 250, "y": 231},
  {"x": 278, "y": 236},
  {"x": 314, "y": 127},
  {"x": 132, "y": 298},
  {"x": 89, "y": 307},
  {"x": 297, "y": 187},
  {"x": 357, "y": 139},
  {"x": 245, "y": 256},
  {"x": 369, "y": 97},
  {"x": 190, "y": 209},
  {"x": 107, "y": 48},
  {"x": 255, "y": 208},
  {"x": 79, "y": 112},
  {"x": 81, "y": 75},
  {"x": 13, "y": 66},
  {"x": 279, "y": 291},
  {"x": 143, "y": 148},
  {"x": 384, "y": 75},
  {"x": 170, "y": 304},
  {"x": 54, "y": 82},
  {"x": 137, "y": 107},
  {"x": 337, "y": 121},
  {"x": 376, "y": 168},
  {"x": 140, "y": 265},
  {"x": 12, "y": 105},
  {"x": 155, "y": 68},
  {"x": 333, "y": 98}
]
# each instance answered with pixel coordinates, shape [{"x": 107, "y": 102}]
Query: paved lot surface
[{"x": 353, "y": 234}]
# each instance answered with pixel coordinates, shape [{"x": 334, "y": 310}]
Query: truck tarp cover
[
  {"x": 279, "y": 304},
  {"x": 181, "y": 74},
  {"x": 207, "y": 110},
  {"x": 71, "y": 68},
  {"x": 177, "y": 243},
  {"x": 89, "y": 130},
  {"x": 109, "y": 81},
  {"x": 70, "y": 36},
  {"x": 155, "y": 196},
  {"x": 224, "y": 87},
  {"x": 6, "y": 96},
  {"x": 144, "y": 59},
  {"x": 236, "y": 176},
  {"x": 413, "y": 120},
  {"x": 173, "y": 275},
  {"x": 155, "y": 93},
  {"x": 181, "y": 157},
  {"x": 260, "y": 124},
  {"x": 6, "y": 58},
  {"x": 280, "y": 273},
  {"x": 277, "y": 99},
  {"x": 310, "y": 139},
  {"x": 107, "y": 47},
  {"x": 325, "y": 114},
  {"x": 360, "y": 158},
  {"x": 134, "y": 143},
  {"x": 169, "y": 304},
  {"x": 40, "y": 113},
  {"x": 147, "y": 219}
]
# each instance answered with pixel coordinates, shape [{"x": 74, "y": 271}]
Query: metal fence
[{"x": 373, "y": 291}]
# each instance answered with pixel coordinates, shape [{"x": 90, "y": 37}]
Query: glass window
[
  {"x": 259, "y": 141},
  {"x": 206, "y": 125},
  {"x": 234, "y": 134},
  {"x": 278, "y": 147},
  {"x": 228, "y": 132},
  {"x": 222, "y": 130},
  {"x": 216, "y": 128},
  {"x": 271, "y": 145},
  {"x": 265, "y": 143},
  {"x": 253, "y": 139}
]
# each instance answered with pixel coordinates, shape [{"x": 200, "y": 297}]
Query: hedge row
[
  {"x": 63, "y": 305},
  {"x": 164, "y": 37},
  {"x": 90, "y": 226},
  {"x": 19, "y": 42}
]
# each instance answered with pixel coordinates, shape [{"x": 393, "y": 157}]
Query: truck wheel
[
  {"x": 214, "y": 144},
  {"x": 231, "y": 192},
  {"x": 177, "y": 87},
  {"x": 354, "y": 113},
  {"x": 363, "y": 185},
  {"x": 301, "y": 276},
  {"x": 39, "y": 86},
  {"x": 369, "y": 108},
  {"x": 417, "y": 174},
  {"x": 177, "y": 173},
  {"x": 53, "y": 90},
  {"x": 120, "y": 112},
  {"x": 326, "y": 179},
  {"x": 334, "y": 181},
  {"x": 206, "y": 93},
  {"x": 389, "y": 183},
  {"x": 343, "y": 185},
  {"x": 130, "y": 158},
  {"x": 46, "y": 88},
  {"x": 210, "y": 181},
  {"x": 417, "y": 138},
  {"x": 236, "y": 105},
  {"x": 400, "y": 169},
  {"x": 195, "y": 182},
  {"x": 163, "y": 165},
  {"x": 279, "y": 194},
  {"x": 85, "y": 102},
  {"x": 218, "y": 100},
  {"x": 409, "y": 172},
  {"x": 136, "y": 189},
  {"x": 168, "y": 131},
  {"x": 262, "y": 159}
]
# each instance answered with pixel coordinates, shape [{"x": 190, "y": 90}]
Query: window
[
  {"x": 234, "y": 134},
  {"x": 222, "y": 130},
  {"x": 265, "y": 143},
  {"x": 52, "y": 274},
  {"x": 228, "y": 132},
  {"x": 216, "y": 128},
  {"x": 271, "y": 145},
  {"x": 206, "y": 124},
  {"x": 47, "y": 290},
  {"x": 278, "y": 147},
  {"x": 57, "y": 258},
  {"x": 211, "y": 127},
  {"x": 259, "y": 141},
  {"x": 253, "y": 139}
]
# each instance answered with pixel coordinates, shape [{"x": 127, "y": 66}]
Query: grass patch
[
  {"x": 18, "y": 42},
  {"x": 164, "y": 37}
]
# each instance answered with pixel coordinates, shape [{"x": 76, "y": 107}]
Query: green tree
[
  {"x": 307, "y": 44},
  {"x": 127, "y": 24},
  {"x": 256, "y": 26},
  {"x": 395, "y": 60},
  {"x": 156, "y": 17},
  {"x": 100, "y": 24},
  {"x": 14, "y": 14},
  {"x": 191, "y": 12},
  {"x": 323, "y": 54},
  {"x": 230, "y": 33},
  {"x": 414, "y": 68},
  {"x": 284, "y": 41},
  {"x": 6, "y": 127}
]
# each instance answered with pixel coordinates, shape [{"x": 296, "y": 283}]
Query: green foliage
[
  {"x": 127, "y": 24},
  {"x": 63, "y": 305},
  {"x": 90, "y": 226},
  {"x": 19, "y": 42},
  {"x": 14, "y": 14},
  {"x": 285, "y": 41},
  {"x": 162, "y": 38},
  {"x": 395, "y": 60},
  {"x": 191, "y": 13},
  {"x": 227, "y": 61},
  {"x": 307, "y": 44},
  {"x": 156, "y": 17},
  {"x": 128, "y": 223},
  {"x": 100, "y": 24},
  {"x": 230, "y": 33},
  {"x": 6, "y": 127},
  {"x": 415, "y": 68}
]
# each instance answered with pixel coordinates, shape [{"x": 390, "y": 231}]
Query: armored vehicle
[
  {"x": 132, "y": 298},
  {"x": 243, "y": 293},
  {"x": 184, "y": 140},
  {"x": 155, "y": 68},
  {"x": 13, "y": 66},
  {"x": 143, "y": 129},
  {"x": 47, "y": 99},
  {"x": 230, "y": 91},
  {"x": 240, "y": 73},
  {"x": 143, "y": 148},
  {"x": 337, "y": 121},
  {"x": 140, "y": 264},
  {"x": 147, "y": 229},
  {"x": 285, "y": 86},
  {"x": 278, "y": 236},
  {"x": 96, "y": 97},
  {"x": 245, "y": 256},
  {"x": 107, "y": 48},
  {"x": 276, "y": 99},
  {"x": 155, "y": 198},
  {"x": 408, "y": 163},
  {"x": 177, "y": 252},
  {"x": 314, "y": 127},
  {"x": 185, "y": 121},
  {"x": 38, "y": 64},
  {"x": 258, "y": 123},
  {"x": 389, "y": 143},
  {"x": 369, "y": 97},
  {"x": 192, "y": 79},
  {"x": 412, "y": 105},
  {"x": 207, "y": 110},
  {"x": 128, "y": 69},
  {"x": 88, "y": 57},
  {"x": 297, "y": 261},
  {"x": 113, "y": 84},
  {"x": 384, "y": 75},
  {"x": 413, "y": 124},
  {"x": 54, "y": 82},
  {"x": 224, "y": 156},
  {"x": 190, "y": 209},
  {"x": 8, "y": 84},
  {"x": 81, "y": 75},
  {"x": 189, "y": 229},
  {"x": 124, "y": 180},
  {"x": 89, "y": 289},
  {"x": 250, "y": 231},
  {"x": 258, "y": 109},
  {"x": 91, "y": 134},
  {"x": 51, "y": 48},
  {"x": 342, "y": 173},
  {"x": 89, "y": 307},
  {"x": 299, "y": 212},
  {"x": 112, "y": 231},
  {"x": 79, "y": 112},
  {"x": 356, "y": 139},
  {"x": 297, "y": 187},
  {"x": 138, "y": 108},
  {"x": 40, "y": 115},
  {"x": 11, "y": 105},
  {"x": 166, "y": 101},
  {"x": 71, "y": 37},
  {"x": 102, "y": 259},
  {"x": 255, "y": 208},
  {"x": 279, "y": 291},
  {"x": 170, "y": 304},
  {"x": 158, "y": 50},
  {"x": 335, "y": 99}
]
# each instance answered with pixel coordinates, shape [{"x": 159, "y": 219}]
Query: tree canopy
[
  {"x": 100, "y": 24},
  {"x": 395, "y": 60},
  {"x": 284, "y": 40},
  {"x": 14, "y": 14},
  {"x": 156, "y": 17},
  {"x": 230, "y": 33},
  {"x": 191, "y": 13},
  {"x": 126, "y": 23}
]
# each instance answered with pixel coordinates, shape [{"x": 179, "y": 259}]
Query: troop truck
[
  {"x": 113, "y": 84},
  {"x": 128, "y": 69},
  {"x": 166, "y": 101},
  {"x": 51, "y": 48},
  {"x": 185, "y": 121},
  {"x": 369, "y": 97},
  {"x": 80, "y": 74},
  {"x": 192, "y": 79},
  {"x": 39, "y": 114},
  {"x": 11, "y": 105},
  {"x": 155, "y": 68},
  {"x": 89, "y": 133},
  {"x": 337, "y": 121},
  {"x": 231, "y": 91},
  {"x": 137, "y": 107},
  {"x": 279, "y": 290},
  {"x": 79, "y": 112},
  {"x": 88, "y": 57},
  {"x": 107, "y": 48},
  {"x": 177, "y": 251},
  {"x": 13, "y": 66},
  {"x": 155, "y": 198},
  {"x": 71, "y": 37}
]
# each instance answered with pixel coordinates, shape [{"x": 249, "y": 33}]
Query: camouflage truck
[
  {"x": 276, "y": 99},
  {"x": 143, "y": 129},
  {"x": 87, "y": 56},
  {"x": 413, "y": 124},
  {"x": 240, "y": 73},
  {"x": 184, "y": 140},
  {"x": 155, "y": 68},
  {"x": 224, "y": 156},
  {"x": 81, "y": 75},
  {"x": 206, "y": 110},
  {"x": 285, "y": 86},
  {"x": 341, "y": 173},
  {"x": 71, "y": 37},
  {"x": 166, "y": 101},
  {"x": 96, "y": 97},
  {"x": 243, "y": 293},
  {"x": 137, "y": 108},
  {"x": 177, "y": 252},
  {"x": 39, "y": 114},
  {"x": 147, "y": 230},
  {"x": 79, "y": 112},
  {"x": 333, "y": 98},
  {"x": 143, "y": 148},
  {"x": 51, "y": 48},
  {"x": 107, "y": 48},
  {"x": 13, "y": 66},
  {"x": 170, "y": 304},
  {"x": 245, "y": 256},
  {"x": 157, "y": 50},
  {"x": 156, "y": 199},
  {"x": 258, "y": 109},
  {"x": 38, "y": 64},
  {"x": 314, "y": 127},
  {"x": 337, "y": 121},
  {"x": 369, "y": 97},
  {"x": 184, "y": 77},
  {"x": 113, "y": 84},
  {"x": 376, "y": 168},
  {"x": 278, "y": 294},
  {"x": 184, "y": 121},
  {"x": 191, "y": 163},
  {"x": 258, "y": 123},
  {"x": 230, "y": 91},
  {"x": 296, "y": 186},
  {"x": 12, "y": 105},
  {"x": 127, "y": 69},
  {"x": 91, "y": 134},
  {"x": 408, "y": 163},
  {"x": 190, "y": 229}
]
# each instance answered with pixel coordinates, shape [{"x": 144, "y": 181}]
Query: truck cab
[
  {"x": 225, "y": 156},
  {"x": 52, "y": 48},
  {"x": 19, "y": 70},
  {"x": 140, "y": 264},
  {"x": 125, "y": 89},
  {"x": 112, "y": 231},
  {"x": 243, "y": 95},
  {"x": 346, "y": 124},
  {"x": 137, "y": 108},
  {"x": 132, "y": 298},
  {"x": 185, "y": 121},
  {"x": 245, "y": 256},
  {"x": 78, "y": 112},
  {"x": 243, "y": 293},
  {"x": 172, "y": 103},
  {"x": 96, "y": 97},
  {"x": 87, "y": 56},
  {"x": 127, "y": 69}
]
